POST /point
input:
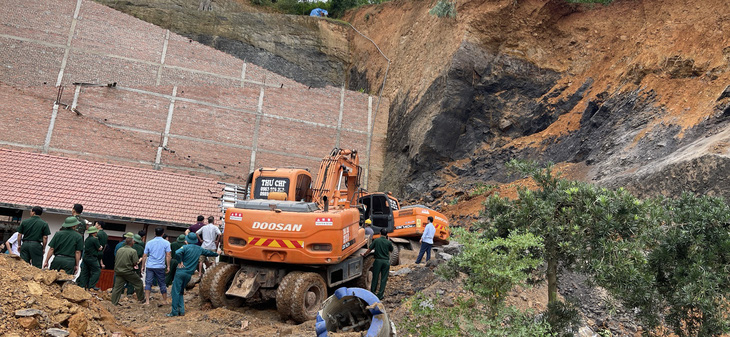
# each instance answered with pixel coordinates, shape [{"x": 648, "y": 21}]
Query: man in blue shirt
[
  {"x": 427, "y": 241},
  {"x": 188, "y": 256},
  {"x": 156, "y": 261}
]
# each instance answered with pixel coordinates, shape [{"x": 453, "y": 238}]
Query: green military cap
[
  {"x": 92, "y": 230},
  {"x": 181, "y": 238},
  {"x": 70, "y": 222},
  {"x": 128, "y": 235},
  {"x": 137, "y": 238}
]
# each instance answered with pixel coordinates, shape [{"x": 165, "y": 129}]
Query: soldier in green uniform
[
  {"x": 139, "y": 248},
  {"x": 174, "y": 262},
  {"x": 381, "y": 267},
  {"x": 138, "y": 245},
  {"x": 90, "y": 270},
  {"x": 32, "y": 232},
  {"x": 125, "y": 266},
  {"x": 76, "y": 212},
  {"x": 103, "y": 239},
  {"x": 188, "y": 256},
  {"x": 66, "y": 245}
]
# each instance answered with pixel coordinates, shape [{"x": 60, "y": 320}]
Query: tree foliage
[
  {"x": 493, "y": 267},
  {"x": 338, "y": 7},
  {"x": 690, "y": 265},
  {"x": 667, "y": 257},
  {"x": 577, "y": 222}
]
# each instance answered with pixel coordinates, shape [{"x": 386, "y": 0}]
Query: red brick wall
[{"x": 216, "y": 124}]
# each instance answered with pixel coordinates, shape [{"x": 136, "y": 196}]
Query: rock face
[
  {"x": 307, "y": 49},
  {"x": 486, "y": 97}
]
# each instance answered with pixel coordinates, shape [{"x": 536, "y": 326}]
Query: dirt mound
[{"x": 36, "y": 300}]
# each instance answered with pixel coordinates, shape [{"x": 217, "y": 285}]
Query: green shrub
[
  {"x": 466, "y": 318},
  {"x": 480, "y": 189},
  {"x": 494, "y": 266},
  {"x": 338, "y": 7},
  {"x": 443, "y": 9}
]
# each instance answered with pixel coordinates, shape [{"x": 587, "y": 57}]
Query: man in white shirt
[
  {"x": 427, "y": 241},
  {"x": 209, "y": 235},
  {"x": 13, "y": 245}
]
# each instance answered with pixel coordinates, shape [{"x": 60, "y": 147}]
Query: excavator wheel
[
  {"x": 284, "y": 294},
  {"x": 395, "y": 255},
  {"x": 222, "y": 278},
  {"x": 309, "y": 292},
  {"x": 366, "y": 279},
  {"x": 206, "y": 283}
]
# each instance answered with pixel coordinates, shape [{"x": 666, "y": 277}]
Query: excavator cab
[
  {"x": 379, "y": 207},
  {"x": 271, "y": 183}
]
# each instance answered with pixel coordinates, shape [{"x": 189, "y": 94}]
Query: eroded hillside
[
  {"x": 633, "y": 94},
  {"x": 625, "y": 91}
]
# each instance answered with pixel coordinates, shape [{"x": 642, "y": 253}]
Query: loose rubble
[{"x": 43, "y": 303}]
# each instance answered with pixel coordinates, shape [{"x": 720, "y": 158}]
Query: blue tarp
[{"x": 318, "y": 12}]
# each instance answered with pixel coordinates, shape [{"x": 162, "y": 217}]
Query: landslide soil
[
  {"x": 680, "y": 49},
  {"x": 674, "y": 53}
]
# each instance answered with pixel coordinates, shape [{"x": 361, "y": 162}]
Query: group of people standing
[
  {"x": 66, "y": 247},
  {"x": 163, "y": 263},
  {"x": 160, "y": 257}
]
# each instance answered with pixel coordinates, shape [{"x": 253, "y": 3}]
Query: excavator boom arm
[{"x": 340, "y": 166}]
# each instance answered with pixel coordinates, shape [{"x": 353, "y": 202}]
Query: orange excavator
[
  {"x": 404, "y": 224},
  {"x": 290, "y": 242}
]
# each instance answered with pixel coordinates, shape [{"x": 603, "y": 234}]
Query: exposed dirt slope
[{"x": 614, "y": 93}]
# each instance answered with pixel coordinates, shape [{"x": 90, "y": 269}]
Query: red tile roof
[{"x": 144, "y": 195}]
